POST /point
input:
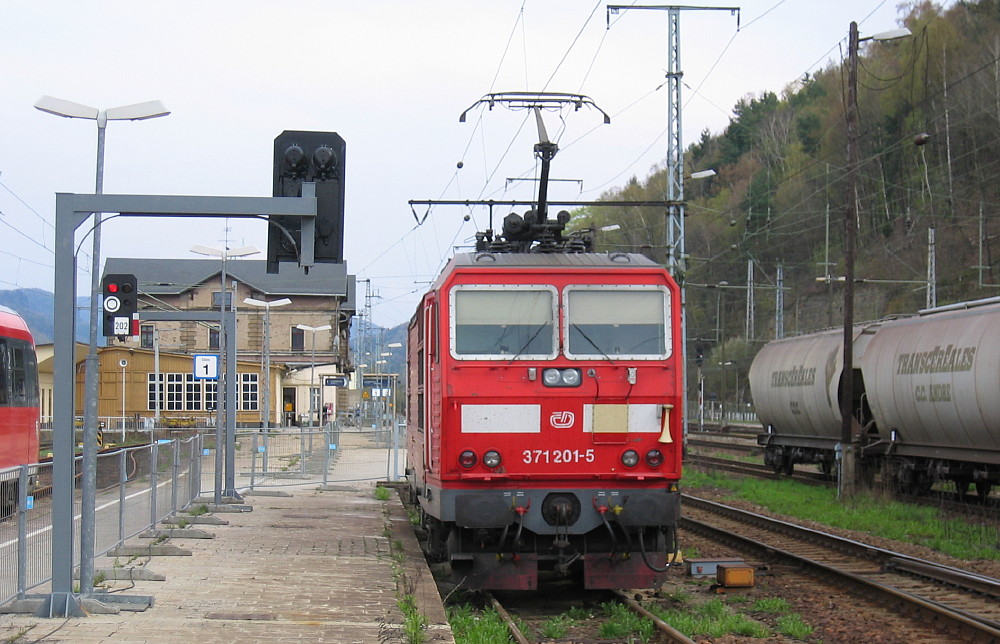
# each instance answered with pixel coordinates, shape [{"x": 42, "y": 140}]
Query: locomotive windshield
[
  {"x": 616, "y": 321},
  {"x": 503, "y": 322}
]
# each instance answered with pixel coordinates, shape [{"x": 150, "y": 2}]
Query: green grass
[
  {"x": 622, "y": 622},
  {"x": 868, "y": 512},
  {"x": 579, "y": 613},
  {"x": 198, "y": 510},
  {"x": 793, "y": 626},
  {"x": 382, "y": 493},
  {"x": 711, "y": 619},
  {"x": 773, "y": 605},
  {"x": 414, "y": 624},
  {"x": 471, "y": 626},
  {"x": 556, "y": 627},
  {"x": 16, "y": 637}
]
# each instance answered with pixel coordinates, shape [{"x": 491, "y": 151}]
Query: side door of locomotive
[{"x": 433, "y": 405}]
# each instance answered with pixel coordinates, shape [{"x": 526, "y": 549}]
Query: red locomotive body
[
  {"x": 544, "y": 418},
  {"x": 18, "y": 403}
]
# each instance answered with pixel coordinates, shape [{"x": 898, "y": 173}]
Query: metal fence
[
  {"x": 137, "y": 488},
  {"x": 718, "y": 413},
  {"x": 334, "y": 453},
  {"x": 140, "y": 486}
]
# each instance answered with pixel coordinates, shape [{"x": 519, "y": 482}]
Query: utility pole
[
  {"x": 676, "y": 256},
  {"x": 779, "y": 304},
  {"x": 751, "y": 305},
  {"x": 931, "y": 270},
  {"x": 847, "y": 482}
]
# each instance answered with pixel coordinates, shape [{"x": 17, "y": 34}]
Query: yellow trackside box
[{"x": 735, "y": 575}]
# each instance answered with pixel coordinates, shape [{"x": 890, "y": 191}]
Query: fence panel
[
  {"x": 288, "y": 456},
  {"x": 137, "y": 488}
]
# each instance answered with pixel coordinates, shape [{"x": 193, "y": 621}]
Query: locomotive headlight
[
  {"x": 491, "y": 458},
  {"x": 571, "y": 377},
  {"x": 561, "y": 378},
  {"x": 654, "y": 458},
  {"x": 630, "y": 458},
  {"x": 467, "y": 459}
]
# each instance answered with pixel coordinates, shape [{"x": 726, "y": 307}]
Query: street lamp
[
  {"x": 135, "y": 112},
  {"x": 266, "y": 416},
  {"x": 220, "y": 394},
  {"x": 846, "y": 485},
  {"x": 312, "y": 366},
  {"x": 728, "y": 363}
]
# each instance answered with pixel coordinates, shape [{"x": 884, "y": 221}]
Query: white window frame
[
  {"x": 667, "y": 321},
  {"x": 452, "y": 312}
]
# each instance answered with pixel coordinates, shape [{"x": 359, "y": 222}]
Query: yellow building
[{"x": 324, "y": 297}]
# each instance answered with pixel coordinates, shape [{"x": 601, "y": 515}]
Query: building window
[
  {"x": 298, "y": 339},
  {"x": 217, "y": 298},
  {"x": 152, "y": 390},
  {"x": 175, "y": 391},
  {"x": 314, "y": 393},
  {"x": 211, "y": 394},
  {"x": 192, "y": 392},
  {"x": 213, "y": 337},
  {"x": 146, "y": 336},
  {"x": 249, "y": 389}
]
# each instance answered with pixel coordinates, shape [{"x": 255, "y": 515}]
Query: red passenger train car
[
  {"x": 18, "y": 404},
  {"x": 544, "y": 414}
]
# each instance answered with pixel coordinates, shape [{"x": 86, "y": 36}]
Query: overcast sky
[{"x": 392, "y": 78}]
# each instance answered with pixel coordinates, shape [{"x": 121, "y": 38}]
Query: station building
[{"x": 301, "y": 361}]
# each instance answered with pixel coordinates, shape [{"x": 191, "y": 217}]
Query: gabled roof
[{"x": 176, "y": 276}]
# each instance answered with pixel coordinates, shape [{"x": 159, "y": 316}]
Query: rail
[{"x": 967, "y": 610}]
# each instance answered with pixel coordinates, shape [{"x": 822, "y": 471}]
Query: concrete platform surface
[{"x": 316, "y": 566}]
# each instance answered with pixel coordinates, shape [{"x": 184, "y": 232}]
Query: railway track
[
  {"x": 757, "y": 470},
  {"x": 962, "y": 604},
  {"x": 515, "y": 611},
  {"x": 726, "y": 445}
]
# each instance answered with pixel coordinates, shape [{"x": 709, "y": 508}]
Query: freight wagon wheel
[
  {"x": 921, "y": 484},
  {"x": 962, "y": 487},
  {"x": 983, "y": 489},
  {"x": 782, "y": 465}
]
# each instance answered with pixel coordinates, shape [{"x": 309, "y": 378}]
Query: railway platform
[{"x": 303, "y": 565}]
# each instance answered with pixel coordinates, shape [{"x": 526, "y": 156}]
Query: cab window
[
  {"x": 617, "y": 321},
  {"x": 503, "y": 322}
]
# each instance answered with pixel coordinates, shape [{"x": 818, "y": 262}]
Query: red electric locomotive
[
  {"x": 18, "y": 404},
  {"x": 544, "y": 412}
]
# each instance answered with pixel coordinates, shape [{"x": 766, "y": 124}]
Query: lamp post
[
  {"x": 266, "y": 416},
  {"x": 846, "y": 481},
  {"x": 312, "y": 366},
  {"x": 391, "y": 414},
  {"x": 222, "y": 398},
  {"x": 134, "y": 112},
  {"x": 724, "y": 365}
]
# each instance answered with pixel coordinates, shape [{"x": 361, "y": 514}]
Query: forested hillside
[{"x": 929, "y": 159}]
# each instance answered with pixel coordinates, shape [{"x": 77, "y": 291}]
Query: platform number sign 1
[{"x": 206, "y": 366}]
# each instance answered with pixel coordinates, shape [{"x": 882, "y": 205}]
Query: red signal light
[{"x": 112, "y": 288}]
